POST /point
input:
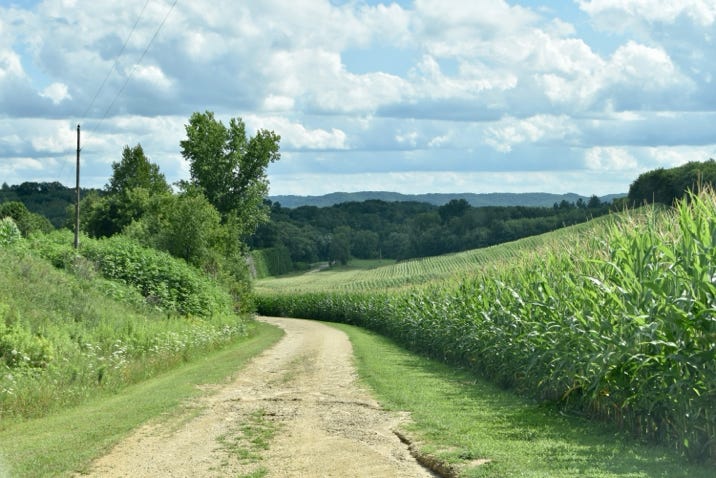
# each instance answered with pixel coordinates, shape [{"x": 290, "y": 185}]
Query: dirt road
[{"x": 294, "y": 411}]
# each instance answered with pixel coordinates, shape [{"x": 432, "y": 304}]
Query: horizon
[
  {"x": 456, "y": 193},
  {"x": 406, "y": 95}
]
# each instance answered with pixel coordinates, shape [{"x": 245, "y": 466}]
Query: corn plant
[{"x": 619, "y": 323}]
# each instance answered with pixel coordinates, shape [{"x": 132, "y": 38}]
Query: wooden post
[{"x": 77, "y": 203}]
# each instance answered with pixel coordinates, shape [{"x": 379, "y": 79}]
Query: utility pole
[{"x": 77, "y": 203}]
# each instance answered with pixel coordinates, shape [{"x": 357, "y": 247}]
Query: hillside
[{"x": 437, "y": 199}]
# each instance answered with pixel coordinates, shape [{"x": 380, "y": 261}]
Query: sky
[{"x": 408, "y": 96}]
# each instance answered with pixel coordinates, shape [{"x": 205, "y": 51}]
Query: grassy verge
[
  {"x": 479, "y": 430},
  {"x": 62, "y": 443}
]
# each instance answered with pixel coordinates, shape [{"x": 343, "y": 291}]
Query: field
[
  {"x": 370, "y": 276},
  {"x": 613, "y": 320}
]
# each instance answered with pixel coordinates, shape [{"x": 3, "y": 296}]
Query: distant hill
[{"x": 438, "y": 199}]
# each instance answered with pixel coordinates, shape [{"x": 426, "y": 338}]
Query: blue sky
[{"x": 409, "y": 96}]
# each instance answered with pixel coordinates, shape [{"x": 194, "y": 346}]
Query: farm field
[
  {"x": 365, "y": 276},
  {"x": 613, "y": 320}
]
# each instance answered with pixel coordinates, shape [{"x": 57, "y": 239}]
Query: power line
[
  {"x": 137, "y": 63},
  {"x": 98, "y": 124},
  {"x": 109, "y": 72},
  {"x": 116, "y": 60}
]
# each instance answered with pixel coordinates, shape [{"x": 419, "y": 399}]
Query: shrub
[{"x": 9, "y": 232}]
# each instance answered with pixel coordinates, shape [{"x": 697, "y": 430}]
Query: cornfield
[{"x": 617, "y": 322}]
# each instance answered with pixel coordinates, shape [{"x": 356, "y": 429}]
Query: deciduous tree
[
  {"x": 230, "y": 168},
  {"x": 136, "y": 171}
]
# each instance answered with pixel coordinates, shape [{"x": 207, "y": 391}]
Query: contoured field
[{"x": 614, "y": 320}]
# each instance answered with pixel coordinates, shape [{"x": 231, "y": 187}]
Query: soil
[{"x": 296, "y": 410}]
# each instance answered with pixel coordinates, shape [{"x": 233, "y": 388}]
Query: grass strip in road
[
  {"x": 479, "y": 430},
  {"x": 68, "y": 441}
]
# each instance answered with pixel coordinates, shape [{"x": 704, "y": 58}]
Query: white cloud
[
  {"x": 650, "y": 67},
  {"x": 669, "y": 157},
  {"x": 439, "y": 141},
  {"x": 10, "y": 65},
  {"x": 481, "y": 85},
  {"x": 151, "y": 74},
  {"x": 56, "y": 92},
  {"x": 409, "y": 138},
  {"x": 701, "y": 12},
  {"x": 609, "y": 159},
  {"x": 297, "y": 136},
  {"x": 278, "y": 103},
  {"x": 509, "y": 132}
]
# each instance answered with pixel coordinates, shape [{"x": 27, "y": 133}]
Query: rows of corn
[{"x": 618, "y": 323}]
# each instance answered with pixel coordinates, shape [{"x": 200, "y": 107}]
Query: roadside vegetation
[
  {"x": 66, "y": 335},
  {"x": 65, "y": 442},
  {"x": 464, "y": 426},
  {"x": 159, "y": 278},
  {"x": 615, "y": 323}
]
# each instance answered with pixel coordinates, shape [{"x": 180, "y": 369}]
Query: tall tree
[
  {"x": 135, "y": 180},
  {"x": 136, "y": 171},
  {"x": 230, "y": 168}
]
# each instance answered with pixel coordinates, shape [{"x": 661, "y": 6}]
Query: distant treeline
[
  {"x": 403, "y": 230},
  {"x": 667, "y": 185},
  {"x": 297, "y": 237},
  {"x": 47, "y": 199}
]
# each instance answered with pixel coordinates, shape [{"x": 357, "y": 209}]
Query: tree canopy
[
  {"x": 136, "y": 171},
  {"x": 230, "y": 168},
  {"x": 666, "y": 185}
]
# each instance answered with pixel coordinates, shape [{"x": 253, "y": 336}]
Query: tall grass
[
  {"x": 66, "y": 335},
  {"x": 619, "y": 324}
]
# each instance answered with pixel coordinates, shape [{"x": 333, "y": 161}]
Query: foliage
[
  {"x": 271, "y": 262},
  {"x": 108, "y": 214},
  {"x": 668, "y": 185},
  {"x": 230, "y": 168},
  {"x": 136, "y": 171},
  {"x": 377, "y": 229},
  {"x": 167, "y": 283},
  {"x": 50, "y": 200},
  {"x": 27, "y": 222},
  {"x": 18, "y": 347},
  {"x": 619, "y": 324},
  {"x": 184, "y": 225},
  {"x": 68, "y": 334},
  {"x": 9, "y": 232}
]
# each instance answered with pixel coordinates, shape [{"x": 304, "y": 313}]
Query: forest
[{"x": 378, "y": 229}]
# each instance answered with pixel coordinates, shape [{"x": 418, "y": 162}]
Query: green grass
[
  {"x": 249, "y": 441},
  {"x": 68, "y": 334},
  {"x": 461, "y": 419},
  {"x": 67, "y": 441}
]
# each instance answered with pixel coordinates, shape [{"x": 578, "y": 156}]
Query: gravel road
[{"x": 295, "y": 411}]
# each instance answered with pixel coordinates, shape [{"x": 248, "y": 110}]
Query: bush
[
  {"x": 9, "y": 233},
  {"x": 166, "y": 282}
]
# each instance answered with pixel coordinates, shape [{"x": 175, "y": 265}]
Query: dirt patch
[{"x": 294, "y": 411}]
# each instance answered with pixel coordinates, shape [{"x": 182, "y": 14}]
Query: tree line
[
  {"x": 377, "y": 229},
  {"x": 665, "y": 186}
]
